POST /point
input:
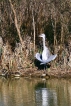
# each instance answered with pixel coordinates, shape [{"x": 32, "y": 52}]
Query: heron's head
[{"x": 42, "y": 35}]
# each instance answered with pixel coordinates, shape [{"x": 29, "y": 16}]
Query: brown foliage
[{"x": 23, "y": 20}]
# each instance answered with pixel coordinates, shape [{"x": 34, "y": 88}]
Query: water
[{"x": 35, "y": 92}]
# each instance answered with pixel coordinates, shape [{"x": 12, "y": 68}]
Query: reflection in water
[
  {"x": 35, "y": 92},
  {"x": 45, "y": 96}
]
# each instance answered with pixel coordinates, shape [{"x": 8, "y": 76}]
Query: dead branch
[{"x": 16, "y": 22}]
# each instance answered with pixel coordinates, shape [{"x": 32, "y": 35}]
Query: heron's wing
[
  {"x": 52, "y": 57},
  {"x": 38, "y": 55}
]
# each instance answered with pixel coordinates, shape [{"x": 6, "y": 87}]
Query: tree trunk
[
  {"x": 55, "y": 40},
  {"x": 54, "y": 30},
  {"x": 61, "y": 33},
  {"x": 16, "y": 22},
  {"x": 33, "y": 28}
]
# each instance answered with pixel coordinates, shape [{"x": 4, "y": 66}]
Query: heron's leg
[{"x": 45, "y": 68}]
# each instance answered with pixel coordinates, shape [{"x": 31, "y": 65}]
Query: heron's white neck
[{"x": 43, "y": 43}]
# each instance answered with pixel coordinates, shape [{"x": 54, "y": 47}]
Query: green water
[{"x": 35, "y": 92}]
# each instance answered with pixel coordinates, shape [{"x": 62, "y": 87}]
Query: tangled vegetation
[{"x": 21, "y": 22}]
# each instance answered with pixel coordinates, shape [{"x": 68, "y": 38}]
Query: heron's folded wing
[
  {"x": 38, "y": 55},
  {"x": 52, "y": 57}
]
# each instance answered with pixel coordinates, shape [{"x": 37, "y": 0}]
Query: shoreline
[{"x": 34, "y": 73}]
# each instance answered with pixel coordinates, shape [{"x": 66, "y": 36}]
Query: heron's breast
[{"x": 44, "y": 56}]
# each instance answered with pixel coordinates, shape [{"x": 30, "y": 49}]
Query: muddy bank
[
  {"x": 48, "y": 74},
  {"x": 34, "y": 73}
]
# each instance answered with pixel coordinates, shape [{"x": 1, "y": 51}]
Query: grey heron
[{"x": 46, "y": 56}]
